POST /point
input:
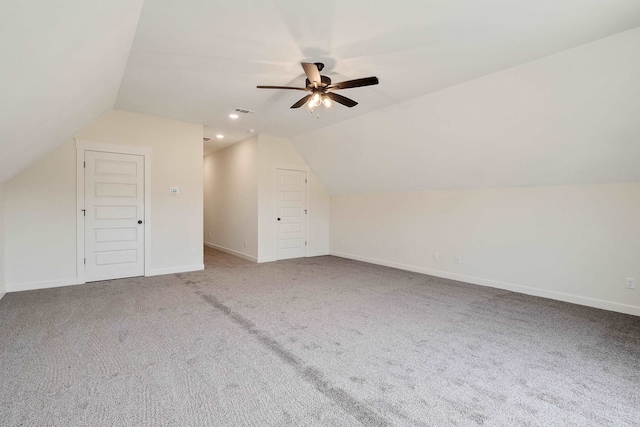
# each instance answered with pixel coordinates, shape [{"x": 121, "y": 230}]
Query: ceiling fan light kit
[
  {"x": 322, "y": 90},
  {"x": 317, "y": 100}
]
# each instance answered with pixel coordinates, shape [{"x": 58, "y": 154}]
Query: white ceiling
[
  {"x": 229, "y": 137},
  {"x": 197, "y": 61},
  {"x": 61, "y": 63},
  {"x": 566, "y": 119}
]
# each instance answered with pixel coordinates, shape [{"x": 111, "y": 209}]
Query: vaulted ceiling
[
  {"x": 565, "y": 119},
  {"x": 61, "y": 65},
  {"x": 66, "y": 63}
]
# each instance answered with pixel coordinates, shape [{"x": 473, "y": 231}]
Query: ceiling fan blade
[
  {"x": 282, "y": 87},
  {"x": 311, "y": 70},
  {"x": 301, "y": 102},
  {"x": 366, "y": 81},
  {"x": 341, "y": 99}
]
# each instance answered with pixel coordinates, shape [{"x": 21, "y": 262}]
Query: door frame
[
  {"x": 292, "y": 167},
  {"x": 82, "y": 145}
]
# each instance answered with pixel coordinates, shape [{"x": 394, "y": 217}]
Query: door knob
[
  {"x": 139, "y": 221},
  {"x": 278, "y": 219}
]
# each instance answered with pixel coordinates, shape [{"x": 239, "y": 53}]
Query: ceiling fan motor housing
[{"x": 324, "y": 82}]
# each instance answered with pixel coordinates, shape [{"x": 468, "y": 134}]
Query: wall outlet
[
  {"x": 458, "y": 259},
  {"x": 245, "y": 243},
  {"x": 630, "y": 283},
  {"x": 174, "y": 190},
  {"x": 436, "y": 256}
]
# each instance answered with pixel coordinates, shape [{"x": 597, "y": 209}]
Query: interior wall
[
  {"x": 3, "y": 288},
  {"x": 275, "y": 152},
  {"x": 40, "y": 221},
  {"x": 240, "y": 190},
  {"x": 231, "y": 199},
  {"x": 319, "y": 217},
  {"x": 40, "y": 202},
  {"x": 571, "y": 243}
]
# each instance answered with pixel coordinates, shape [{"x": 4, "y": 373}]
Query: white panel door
[
  {"x": 114, "y": 214},
  {"x": 291, "y": 205}
]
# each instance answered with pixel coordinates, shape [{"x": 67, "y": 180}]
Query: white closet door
[
  {"x": 291, "y": 205},
  {"x": 114, "y": 215}
]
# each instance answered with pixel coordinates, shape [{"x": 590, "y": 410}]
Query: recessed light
[
  {"x": 234, "y": 116},
  {"x": 219, "y": 136}
]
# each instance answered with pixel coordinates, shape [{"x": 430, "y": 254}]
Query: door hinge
[
  {"x": 85, "y": 260},
  {"x": 305, "y": 211},
  {"x": 305, "y": 243},
  {"x": 84, "y": 212},
  {"x": 305, "y": 180},
  {"x": 84, "y": 164}
]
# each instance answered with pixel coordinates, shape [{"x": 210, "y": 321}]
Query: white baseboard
[
  {"x": 575, "y": 299},
  {"x": 45, "y": 284},
  {"x": 310, "y": 254},
  {"x": 232, "y": 252},
  {"x": 319, "y": 253},
  {"x": 173, "y": 270}
]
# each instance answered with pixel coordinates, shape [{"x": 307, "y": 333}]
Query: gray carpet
[{"x": 320, "y": 341}]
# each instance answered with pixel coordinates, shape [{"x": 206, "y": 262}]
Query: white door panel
[
  {"x": 114, "y": 203},
  {"x": 116, "y": 212},
  {"x": 291, "y": 191},
  {"x": 109, "y": 189},
  {"x": 105, "y": 235}
]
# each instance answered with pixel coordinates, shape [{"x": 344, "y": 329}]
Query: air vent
[
  {"x": 205, "y": 139},
  {"x": 243, "y": 111}
]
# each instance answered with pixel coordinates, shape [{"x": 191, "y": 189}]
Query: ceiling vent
[{"x": 244, "y": 111}]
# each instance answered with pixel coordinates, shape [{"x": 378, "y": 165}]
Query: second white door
[
  {"x": 114, "y": 215},
  {"x": 291, "y": 211}
]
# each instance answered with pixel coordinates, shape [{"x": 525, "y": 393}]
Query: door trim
[
  {"x": 83, "y": 145},
  {"x": 292, "y": 167}
]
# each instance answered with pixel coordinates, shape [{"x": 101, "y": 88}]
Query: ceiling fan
[{"x": 322, "y": 90}]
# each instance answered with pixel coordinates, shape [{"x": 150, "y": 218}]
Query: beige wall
[
  {"x": 3, "y": 288},
  {"x": 40, "y": 222},
  {"x": 319, "y": 216},
  {"x": 40, "y": 202},
  {"x": 572, "y": 243},
  {"x": 231, "y": 199},
  {"x": 240, "y": 198}
]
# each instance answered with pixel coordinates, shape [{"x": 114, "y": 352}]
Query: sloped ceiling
[
  {"x": 569, "y": 118},
  {"x": 197, "y": 61},
  {"x": 61, "y": 64}
]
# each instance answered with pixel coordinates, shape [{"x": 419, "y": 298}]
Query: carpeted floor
[{"x": 319, "y": 341}]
